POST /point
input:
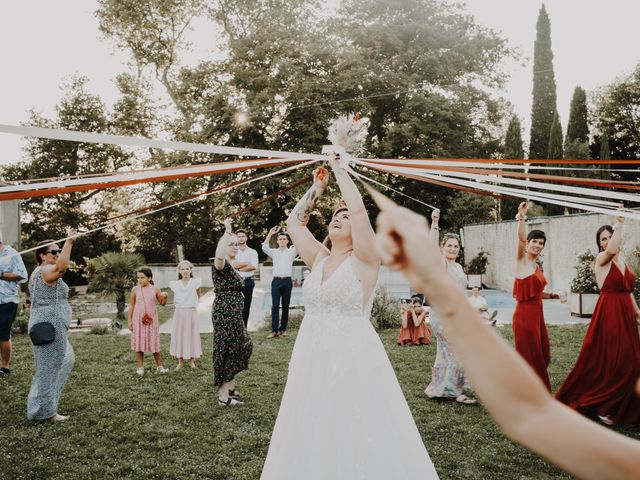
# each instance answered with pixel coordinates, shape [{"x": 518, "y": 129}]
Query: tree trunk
[{"x": 120, "y": 303}]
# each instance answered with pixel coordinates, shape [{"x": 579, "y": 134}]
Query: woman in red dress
[
  {"x": 529, "y": 329},
  {"x": 414, "y": 330},
  {"x": 602, "y": 381}
]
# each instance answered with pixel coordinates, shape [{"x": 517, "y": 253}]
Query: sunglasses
[{"x": 54, "y": 252}]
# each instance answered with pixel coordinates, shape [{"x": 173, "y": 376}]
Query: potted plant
[
  {"x": 476, "y": 268},
  {"x": 584, "y": 289}
]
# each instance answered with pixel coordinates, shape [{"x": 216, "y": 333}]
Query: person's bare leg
[
  {"x": 140, "y": 359},
  {"x": 5, "y": 353}
]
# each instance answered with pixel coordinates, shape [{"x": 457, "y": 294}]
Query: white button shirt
[
  {"x": 248, "y": 255},
  {"x": 282, "y": 260}
]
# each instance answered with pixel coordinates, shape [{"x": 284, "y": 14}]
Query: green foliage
[
  {"x": 544, "y": 89},
  {"x": 578, "y": 126},
  {"x": 99, "y": 330},
  {"x": 513, "y": 148},
  {"x": 584, "y": 280},
  {"x": 467, "y": 208},
  {"x": 555, "y": 140},
  {"x": 385, "y": 312},
  {"x": 478, "y": 264},
  {"x": 113, "y": 273},
  {"x": 616, "y": 116},
  {"x": 634, "y": 264}
]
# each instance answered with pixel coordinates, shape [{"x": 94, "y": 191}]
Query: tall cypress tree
[
  {"x": 544, "y": 88},
  {"x": 578, "y": 128},
  {"x": 513, "y": 148},
  {"x": 555, "y": 139},
  {"x": 604, "y": 170}
]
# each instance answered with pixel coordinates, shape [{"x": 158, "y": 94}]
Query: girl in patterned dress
[
  {"x": 143, "y": 319},
  {"x": 54, "y": 361},
  {"x": 231, "y": 345},
  {"x": 185, "y": 334}
]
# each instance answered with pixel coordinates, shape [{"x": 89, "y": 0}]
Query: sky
[{"x": 45, "y": 42}]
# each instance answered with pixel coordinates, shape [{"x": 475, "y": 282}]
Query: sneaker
[
  {"x": 192, "y": 365},
  {"x": 178, "y": 367},
  {"x": 59, "y": 418},
  {"x": 4, "y": 371},
  {"x": 140, "y": 371},
  {"x": 230, "y": 402},
  {"x": 161, "y": 370}
]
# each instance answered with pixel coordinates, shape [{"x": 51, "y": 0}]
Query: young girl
[
  {"x": 143, "y": 319},
  {"x": 185, "y": 334}
]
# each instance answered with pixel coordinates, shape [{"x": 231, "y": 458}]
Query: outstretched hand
[
  {"x": 619, "y": 218},
  {"x": 321, "y": 177},
  {"x": 227, "y": 225},
  {"x": 522, "y": 210},
  {"x": 435, "y": 216},
  {"x": 72, "y": 235}
]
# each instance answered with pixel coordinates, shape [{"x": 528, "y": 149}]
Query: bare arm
[
  {"x": 613, "y": 246},
  {"x": 361, "y": 229},
  {"x": 434, "y": 231},
  {"x": 132, "y": 304},
  {"x": 417, "y": 319},
  {"x": 221, "y": 248},
  {"x": 522, "y": 231},
  {"x": 51, "y": 273},
  {"x": 405, "y": 320},
  {"x": 509, "y": 389},
  {"x": 307, "y": 246},
  {"x": 161, "y": 297}
]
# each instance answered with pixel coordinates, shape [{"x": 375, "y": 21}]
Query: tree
[
  {"x": 544, "y": 89},
  {"x": 617, "y": 116},
  {"x": 467, "y": 208},
  {"x": 513, "y": 149},
  {"x": 578, "y": 126},
  {"x": 604, "y": 170},
  {"x": 555, "y": 140},
  {"x": 113, "y": 273}
]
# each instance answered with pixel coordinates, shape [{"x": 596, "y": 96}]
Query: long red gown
[
  {"x": 529, "y": 329},
  {"x": 604, "y": 377}
]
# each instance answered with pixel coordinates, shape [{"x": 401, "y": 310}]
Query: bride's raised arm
[
  {"x": 361, "y": 229},
  {"x": 306, "y": 244}
]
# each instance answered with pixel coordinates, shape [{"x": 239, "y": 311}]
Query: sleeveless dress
[
  {"x": 608, "y": 367},
  {"x": 145, "y": 338},
  {"x": 232, "y": 346},
  {"x": 343, "y": 415},
  {"x": 55, "y": 360},
  {"x": 447, "y": 375},
  {"x": 529, "y": 329},
  {"x": 412, "y": 335}
]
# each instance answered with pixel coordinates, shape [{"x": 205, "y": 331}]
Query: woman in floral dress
[{"x": 231, "y": 345}]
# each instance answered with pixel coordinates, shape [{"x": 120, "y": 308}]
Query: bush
[
  {"x": 478, "y": 264},
  {"x": 585, "y": 278},
  {"x": 385, "y": 313},
  {"x": 99, "y": 330}
]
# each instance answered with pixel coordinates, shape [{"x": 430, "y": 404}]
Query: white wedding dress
[{"x": 343, "y": 415}]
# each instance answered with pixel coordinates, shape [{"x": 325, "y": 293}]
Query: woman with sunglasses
[
  {"x": 231, "y": 345},
  {"x": 447, "y": 375},
  {"x": 54, "y": 360}
]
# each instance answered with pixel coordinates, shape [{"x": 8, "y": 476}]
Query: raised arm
[
  {"x": 509, "y": 389},
  {"x": 613, "y": 246},
  {"x": 434, "y": 231},
  {"x": 307, "y": 246},
  {"x": 417, "y": 319},
  {"x": 361, "y": 229},
  {"x": 522, "y": 231},
  {"x": 51, "y": 273},
  {"x": 221, "y": 248}
]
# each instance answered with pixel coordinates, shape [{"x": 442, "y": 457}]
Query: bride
[{"x": 343, "y": 414}]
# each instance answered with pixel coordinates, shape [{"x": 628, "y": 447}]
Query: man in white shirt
[
  {"x": 480, "y": 303},
  {"x": 246, "y": 263},
  {"x": 281, "y": 285}
]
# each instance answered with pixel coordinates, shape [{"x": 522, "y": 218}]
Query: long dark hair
[
  {"x": 146, "y": 271},
  {"x": 609, "y": 229},
  {"x": 43, "y": 249}
]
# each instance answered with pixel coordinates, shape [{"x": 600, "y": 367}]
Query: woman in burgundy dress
[
  {"x": 602, "y": 381},
  {"x": 529, "y": 329}
]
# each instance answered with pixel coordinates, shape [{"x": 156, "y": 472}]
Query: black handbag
[{"x": 42, "y": 333}]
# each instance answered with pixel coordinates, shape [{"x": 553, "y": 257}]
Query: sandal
[
  {"x": 230, "y": 402},
  {"x": 606, "y": 420},
  {"x": 465, "y": 400},
  {"x": 234, "y": 394}
]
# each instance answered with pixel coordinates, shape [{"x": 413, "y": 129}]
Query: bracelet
[{"x": 521, "y": 219}]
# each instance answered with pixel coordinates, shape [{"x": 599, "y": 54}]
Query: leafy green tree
[
  {"x": 616, "y": 117},
  {"x": 513, "y": 149},
  {"x": 544, "y": 89},
  {"x": 578, "y": 126},
  {"x": 113, "y": 274},
  {"x": 555, "y": 140}
]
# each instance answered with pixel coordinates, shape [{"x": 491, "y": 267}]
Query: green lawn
[{"x": 169, "y": 427}]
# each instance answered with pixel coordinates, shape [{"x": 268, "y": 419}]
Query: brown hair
[
  {"x": 146, "y": 271},
  {"x": 43, "y": 249},
  {"x": 449, "y": 236},
  {"x": 609, "y": 229}
]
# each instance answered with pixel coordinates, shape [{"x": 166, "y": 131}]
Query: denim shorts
[{"x": 8, "y": 313}]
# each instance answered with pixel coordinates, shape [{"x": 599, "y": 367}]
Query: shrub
[
  {"x": 385, "y": 313},
  {"x": 478, "y": 264},
  {"x": 585, "y": 279},
  {"x": 99, "y": 330}
]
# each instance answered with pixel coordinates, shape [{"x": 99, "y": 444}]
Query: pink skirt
[{"x": 185, "y": 334}]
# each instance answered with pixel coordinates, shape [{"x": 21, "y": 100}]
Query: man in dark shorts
[{"x": 12, "y": 273}]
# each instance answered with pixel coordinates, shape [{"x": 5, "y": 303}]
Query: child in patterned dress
[{"x": 143, "y": 319}]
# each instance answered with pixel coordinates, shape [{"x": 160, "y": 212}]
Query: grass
[{"x": 169, "y": 427}]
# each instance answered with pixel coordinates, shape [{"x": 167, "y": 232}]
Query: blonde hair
[{"x": 184, "y": 263}]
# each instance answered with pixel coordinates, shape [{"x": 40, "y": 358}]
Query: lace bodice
[{"x": 338, "y": 299}]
